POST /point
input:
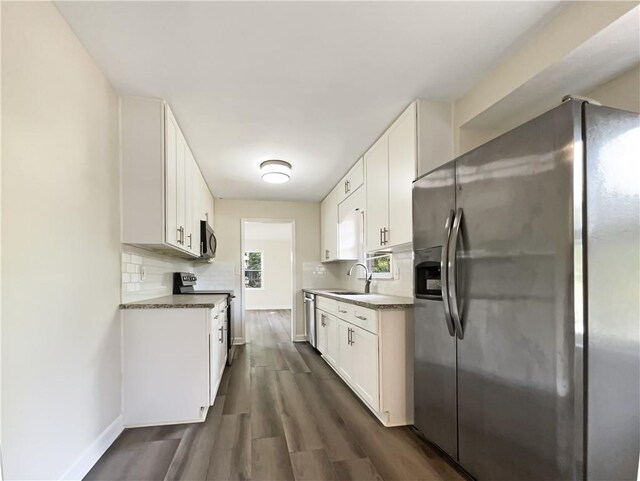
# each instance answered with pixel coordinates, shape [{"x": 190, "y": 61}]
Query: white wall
[
  {"x": 623, "y": 92},
  {"x": 276, "y": 276},
  {"x": 61, "y": 251},
  {"x": 229, "y": 258}
]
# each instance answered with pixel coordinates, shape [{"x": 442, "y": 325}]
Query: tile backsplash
[{"x": 147, "y": 274}]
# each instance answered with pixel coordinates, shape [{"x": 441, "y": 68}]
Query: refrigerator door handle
[
  {"x": 451, "y": 273},
  {"x": 443, "y": 271}
]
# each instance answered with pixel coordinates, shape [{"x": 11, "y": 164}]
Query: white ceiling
[
  {"x": 261, "y": 231},
  {"x": 312, "y": 83}
]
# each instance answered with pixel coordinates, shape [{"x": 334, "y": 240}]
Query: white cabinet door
[
  {"x": 377, "y": 182},
  {"x": 351, "y": 226},
  {"x": 402, "y": 173},
  {"x": 346, "y": 360},
  {"x": 350, "y": 182},
  {"x": 181, "y": 193},
  {"x": 331, "y": 328},
  {"x": 214, "y": 356},
  {"x": 329, "y": 227},
  {"x": 173, "y": 233},
  {"x": 192, "y": 235},
  {"x": 222, "y": 340},
  {"x": 366, "y": 380},
  {"x": 321, "y": 328}
]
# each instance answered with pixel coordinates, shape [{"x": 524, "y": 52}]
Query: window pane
[
  {"x": 381, "y": 264},
  {"x": 253, "y": 270}
]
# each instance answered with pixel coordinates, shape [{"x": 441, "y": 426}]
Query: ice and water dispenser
[{"x": 428, "y": 275}]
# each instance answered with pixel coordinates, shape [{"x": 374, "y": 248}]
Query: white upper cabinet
[
  {"x": 351, "y": 226},
  {"x": 420, "y": 140},
  {"x": 162, "y": 195},
  {"x": 402, "y": 173},
  {"x": 376, "y": 162},
  {"x": 350, "y": 182},
  {"x": 329, "y": 227}
]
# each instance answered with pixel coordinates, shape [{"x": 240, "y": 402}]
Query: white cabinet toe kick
[{"x": 372, "y": 351}]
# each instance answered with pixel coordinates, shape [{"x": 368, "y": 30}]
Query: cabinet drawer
[
  {"x": 345, "y": 311},
  {"x": 327, "y": 305},
  {"x": 365, "y": 318}
]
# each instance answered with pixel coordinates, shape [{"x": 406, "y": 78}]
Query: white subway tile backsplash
[{"x": 158, "y": 273}]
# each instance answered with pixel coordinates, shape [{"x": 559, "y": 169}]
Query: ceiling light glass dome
[{"x": 275, "y": 171}]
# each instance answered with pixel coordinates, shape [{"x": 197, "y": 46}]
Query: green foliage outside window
[{"x": 253, "y": 270}]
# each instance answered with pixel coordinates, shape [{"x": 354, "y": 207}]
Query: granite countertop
[
  {"x": 371, "y": 301},
  {"x": 178, "y": 301}
]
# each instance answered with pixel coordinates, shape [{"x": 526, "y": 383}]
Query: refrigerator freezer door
[
  {"x": 435, "y": 347},
  {"x": 517, "y": 414},
  {"x": 613, "y": 363}
]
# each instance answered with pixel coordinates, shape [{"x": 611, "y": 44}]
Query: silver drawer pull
[
  {"x": 343, "y": 312},
  {"x": 362, "y": 318}
]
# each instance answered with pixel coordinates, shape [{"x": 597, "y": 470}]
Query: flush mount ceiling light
[{"x": 275, "y": 171}]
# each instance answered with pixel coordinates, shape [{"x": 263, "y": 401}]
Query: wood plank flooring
[{"x": 281, "y": 414}]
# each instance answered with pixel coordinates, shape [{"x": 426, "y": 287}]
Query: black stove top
[{"x": 185, "y": 282}]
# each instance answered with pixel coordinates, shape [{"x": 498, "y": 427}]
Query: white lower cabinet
[
  {"x": 346, "y": 358},
  {"x": 172, "y": 361},
  {"x": 365, "y": 351},
  {"x": 372, "y": 351},
  {"x": 331, "y": 355}
]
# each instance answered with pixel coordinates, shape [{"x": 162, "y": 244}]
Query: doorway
[{"x": 268, "y": 277}]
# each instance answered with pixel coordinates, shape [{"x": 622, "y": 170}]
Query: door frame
[{"x": 292, "y": 223}]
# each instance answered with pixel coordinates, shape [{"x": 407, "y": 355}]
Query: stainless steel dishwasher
[{"x": 310, "y": 317}]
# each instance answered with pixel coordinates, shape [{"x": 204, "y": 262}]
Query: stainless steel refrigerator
[{"x": 526, "y": 252}]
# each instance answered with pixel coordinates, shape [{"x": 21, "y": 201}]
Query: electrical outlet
[{"x": 143, "y": 273}]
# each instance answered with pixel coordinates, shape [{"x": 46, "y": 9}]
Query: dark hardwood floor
[{"x": 281, "y": 414}]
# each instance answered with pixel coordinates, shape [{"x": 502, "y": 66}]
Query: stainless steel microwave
[{"x": 208, "y": 242}]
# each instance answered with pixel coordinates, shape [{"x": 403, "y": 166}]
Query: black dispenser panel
[{"x": 428, "y": 275}]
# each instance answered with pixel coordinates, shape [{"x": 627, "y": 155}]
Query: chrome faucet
[{"x": 367, "y": 283}]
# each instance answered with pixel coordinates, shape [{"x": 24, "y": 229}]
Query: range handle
[
  {"x": 443, "y": 271},
  {"x": 452, "y": 273}
]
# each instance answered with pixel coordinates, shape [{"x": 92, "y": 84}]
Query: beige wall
[
  {"x": 276, "y": 290},
  {"x": 623, "y": 92},
  {"x": 306, "y": 240},
  {"x": 61, "y": 252}
]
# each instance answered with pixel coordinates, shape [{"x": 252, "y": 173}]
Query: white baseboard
[
  {"x": 90, "y": 457},
  {"x": 300, "y": 338}
]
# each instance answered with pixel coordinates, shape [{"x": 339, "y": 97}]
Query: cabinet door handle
[
  {"x": 220, "y": 339},
  {"x": 362, "y": 318},
  {"x": 385, "y": 231},
  {"x": 349, "y": 336},
  {"x": 190, "y": 236},
  {"x": 340, "y": 310},
  {"x": 381, "y": 241},
  {"x": 178, "y": 235}
]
